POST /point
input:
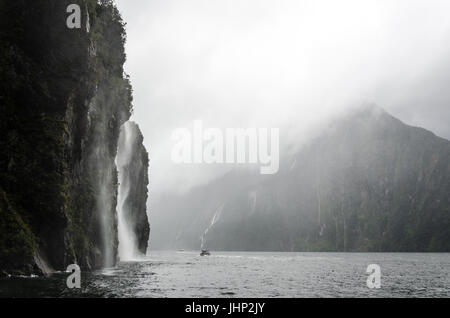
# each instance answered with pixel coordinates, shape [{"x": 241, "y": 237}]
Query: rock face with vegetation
[
  {"x": 63, "y": 99},
  {"x": 368, "y": 183}
]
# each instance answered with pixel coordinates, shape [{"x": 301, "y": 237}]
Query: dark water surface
[{"x": 251, "y": 274}]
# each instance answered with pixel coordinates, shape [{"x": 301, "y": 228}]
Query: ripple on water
[{"x": 227, "y": 274}]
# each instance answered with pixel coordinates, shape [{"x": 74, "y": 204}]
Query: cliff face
[
  {"x": 368, "y": 183},
  {"x": 63, "y": 97},
  {"x": 132, "y": 164}
]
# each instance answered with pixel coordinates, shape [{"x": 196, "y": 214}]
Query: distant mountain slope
[{"x": 369, "y": 183}]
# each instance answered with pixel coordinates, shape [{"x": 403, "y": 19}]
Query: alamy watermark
[
  {"x": 74, "y": 279},
  {"x": 73, "y": 21},
  {"x": 231, "y": 145},
  {"x": 374, "y": 279}
]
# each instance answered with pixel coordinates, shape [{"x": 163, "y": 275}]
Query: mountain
[
  {"x": 63, "y": 99},
  {"x": 367, "y": 183}
]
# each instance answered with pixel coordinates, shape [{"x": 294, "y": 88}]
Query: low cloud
[{"x": 285, "y": 64}]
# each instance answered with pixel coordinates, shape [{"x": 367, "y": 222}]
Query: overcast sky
[{"x": 272, "y": 63}]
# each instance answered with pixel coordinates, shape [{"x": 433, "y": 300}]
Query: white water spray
[
  {"x": 104, "y": 208},
  {"x": 127, "y": 239}
]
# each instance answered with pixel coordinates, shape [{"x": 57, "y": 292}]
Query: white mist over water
[{"x": 127, "y": 239}]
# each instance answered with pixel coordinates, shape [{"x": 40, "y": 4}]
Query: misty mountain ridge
[{"x": 367, "y": 183}]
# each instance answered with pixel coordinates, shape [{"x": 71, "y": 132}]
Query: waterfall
[
  {"x": 127, "y": 239},
  {"x": 214, "y": 220},
  {"x": 104, "y": 208},
  {"x": 101, "y": 165}
]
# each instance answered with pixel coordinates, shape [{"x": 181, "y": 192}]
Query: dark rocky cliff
[{"x": 63, "y": 99}]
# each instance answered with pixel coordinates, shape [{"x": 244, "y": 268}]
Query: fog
[{"x": 285, "y": 64}]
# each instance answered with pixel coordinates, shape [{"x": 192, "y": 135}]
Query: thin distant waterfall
[
  {"x": 127, "y": 239},
  {"x": 214, "y": 220}
]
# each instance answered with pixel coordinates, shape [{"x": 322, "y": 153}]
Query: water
[{"x": 245, "y": 274}]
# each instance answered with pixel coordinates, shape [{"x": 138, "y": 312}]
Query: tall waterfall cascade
[{"x": 132, "y": 165}]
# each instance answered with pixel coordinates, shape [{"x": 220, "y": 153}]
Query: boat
[{"x": 205, "y": 253}]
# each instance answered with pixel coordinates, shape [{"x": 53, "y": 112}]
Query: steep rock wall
[{"x": 63, "y": 98}]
